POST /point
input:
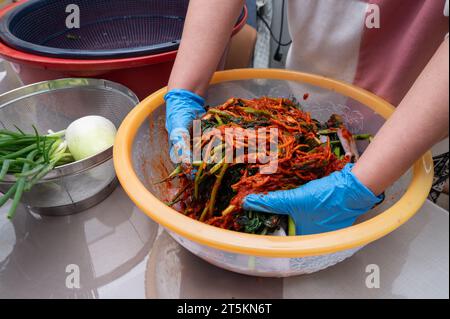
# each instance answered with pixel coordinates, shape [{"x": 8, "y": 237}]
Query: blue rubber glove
[
  {"x": 182, "y": 108},
  {"x": 322, "y": 205}
]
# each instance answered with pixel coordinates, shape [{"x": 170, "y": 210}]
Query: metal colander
[
  {"x": 53, "y": 105},
  {"x": 108, "y": 28}
]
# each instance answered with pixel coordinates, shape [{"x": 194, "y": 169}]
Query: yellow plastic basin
[{"x": 254, "y": 254}]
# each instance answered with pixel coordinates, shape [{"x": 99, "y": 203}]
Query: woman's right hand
[
  {"x": 206, "y": 34},
  {"x": 182, "y": 108}
]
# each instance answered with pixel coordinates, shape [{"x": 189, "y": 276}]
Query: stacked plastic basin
[{"x": 131, "y": 42}]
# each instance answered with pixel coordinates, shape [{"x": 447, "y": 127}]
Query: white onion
[{"x": 89, "y": 136}]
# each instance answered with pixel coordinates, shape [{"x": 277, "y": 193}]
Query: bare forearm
[
  {"x": 206, "y": 33},
  {"x": 420, "y": 121}
]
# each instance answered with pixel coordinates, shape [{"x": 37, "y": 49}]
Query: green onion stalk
[{"x": 29, "y": 158}]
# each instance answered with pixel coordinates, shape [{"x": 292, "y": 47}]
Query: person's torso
[{"x": 380, "y": 45}]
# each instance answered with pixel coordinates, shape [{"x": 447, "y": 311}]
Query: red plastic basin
[{"x": 143, "y": 75}]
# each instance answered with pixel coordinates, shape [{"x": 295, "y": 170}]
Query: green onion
[
  {"x": 337, "y": 151},
  {"x": 8, "y": 195},
  {"x": 362, "y": 136},
  {"x": 218, "y": 119},
  {"x": 20, "y": 186},
  {"x": 253, "y": 111},
  {"x": 327, "y": 132},
  {"x": 219, "y": 112},
  {"x": 198, "y": 178},
  {"x": 29, "y": 158},
  {"x": 178, "y": 170},
  {"x": 4, "y": 170},
  {"x": 177, "y": 197},
  {"x": 31, "y": 172},
  {"x": 17, "y": 196},
  {"x": 291, "y": 227}
]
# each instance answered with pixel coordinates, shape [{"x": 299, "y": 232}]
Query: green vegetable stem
[{"x": 28, "y": 158}]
